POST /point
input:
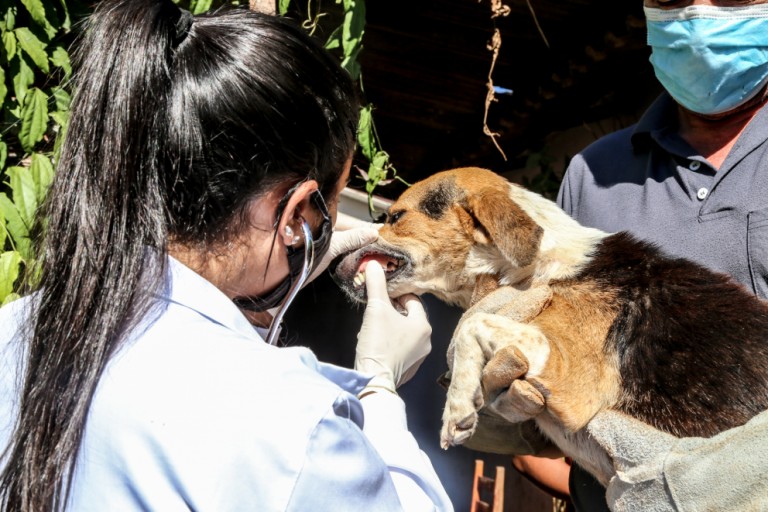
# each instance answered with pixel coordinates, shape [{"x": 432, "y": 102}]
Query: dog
[{"x": 589, "y": 320}]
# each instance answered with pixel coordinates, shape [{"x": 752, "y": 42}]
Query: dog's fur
[{"x": 596, "y": 320}]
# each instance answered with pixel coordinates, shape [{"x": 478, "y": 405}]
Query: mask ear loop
[{"x": 309, "y": 257}]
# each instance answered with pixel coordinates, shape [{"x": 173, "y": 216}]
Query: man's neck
[{"x": 714, "y": 137}]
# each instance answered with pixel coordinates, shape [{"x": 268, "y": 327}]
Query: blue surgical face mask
[{"x": 710, "y": 59}]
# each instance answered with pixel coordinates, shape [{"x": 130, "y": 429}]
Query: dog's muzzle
[{"x": 348, "y": 270}]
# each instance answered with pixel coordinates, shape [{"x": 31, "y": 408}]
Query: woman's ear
[{"x": 296, "y": 208}]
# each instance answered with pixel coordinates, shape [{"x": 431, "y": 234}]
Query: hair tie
[{"x": 183, "y": 23}]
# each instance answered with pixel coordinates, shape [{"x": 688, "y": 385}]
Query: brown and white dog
[{"x": 590, "y": 320}]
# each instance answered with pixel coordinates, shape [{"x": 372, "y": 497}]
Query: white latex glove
[
  {"x": 390, "y": 345},
  {"x": 345, "y": 241},
  {"x": 638, "y": 452}
]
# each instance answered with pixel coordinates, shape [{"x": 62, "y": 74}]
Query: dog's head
[{"x": 445, "y": 232}]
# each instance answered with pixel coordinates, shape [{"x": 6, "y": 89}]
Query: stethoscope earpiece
[{"x": 309, "y": 258}]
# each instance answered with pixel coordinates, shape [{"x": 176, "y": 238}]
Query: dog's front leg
[
  {"x": 476, "y": 340},
  {"x": 515, "y": 304}
]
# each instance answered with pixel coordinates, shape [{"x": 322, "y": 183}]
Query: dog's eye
[{"x": 395, "y": 216}]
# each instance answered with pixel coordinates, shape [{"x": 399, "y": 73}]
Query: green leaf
[
  {"x": 9, "y": 18},
  {"x": 24, "y": 194},
  {"x": 377, "y": 170},
  {"x": 3, "y": 158},
  {"x": 41, "y": 170},
  {"x": 33, "y": 47},
  {"x": 351, "y": 64},
  {"x": 353, "y": 26},
  {"x": 3, "y": 231},
  {"x": 34, "y": 118},
  {"x": 10, "y": 265},
  {"x": 67, "y": 23},
  {"x": 16, "y": 227},
  {"x": 60, "y": 117},
  {"x": 3, "y": 89},
  {"x": 10, "y": 298},
  {"x": 334, "y": 40},
  {"x": 62, "y": 99},
  {"x": 37, "y": 11},
  {"x": 60, "y": 58},
  {"x": 199, "y": 6},
  {"x": 9, "y": 43},
  {"x": 282, "y": 6},
  {"x": 23, "y": 77},
  {"x": 365, "y": 136}
]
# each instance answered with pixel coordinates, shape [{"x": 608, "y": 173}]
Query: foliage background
[
  {"x": 34, "y": 98},
  {"x": 406, "y": 59},
  {"x": 35, "y": 70}
]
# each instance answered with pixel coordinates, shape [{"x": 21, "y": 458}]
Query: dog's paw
[
  {"x": 460, "y": 413},
  {"x": 457, "y": 428}
]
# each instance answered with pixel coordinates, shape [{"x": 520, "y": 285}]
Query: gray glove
[
  {"x": 638, "y": 452},
  {"x": 390, "y": 345},
  {"x": 658, "y": 472}
]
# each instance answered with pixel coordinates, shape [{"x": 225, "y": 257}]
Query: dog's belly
[{"x": 581, "y": 374}]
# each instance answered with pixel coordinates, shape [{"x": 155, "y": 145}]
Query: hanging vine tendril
[{"x": 498, "y": 9}]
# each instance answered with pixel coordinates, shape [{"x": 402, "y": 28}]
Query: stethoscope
[{"x": 309, "y": 257}]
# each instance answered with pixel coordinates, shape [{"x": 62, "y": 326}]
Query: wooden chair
[{"x": 487, "y": 493}]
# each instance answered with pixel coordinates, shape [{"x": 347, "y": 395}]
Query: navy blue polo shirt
[{"x": 647, "y": 180}]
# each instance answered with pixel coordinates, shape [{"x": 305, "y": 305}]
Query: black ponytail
[{"x": 176, "y": 124}]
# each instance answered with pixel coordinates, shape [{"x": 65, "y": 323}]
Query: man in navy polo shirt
[{"x": 692, "y": 174}]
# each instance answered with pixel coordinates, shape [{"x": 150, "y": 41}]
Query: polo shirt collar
[
  {"x": 657, "y": 123},
  {"x": 753, "y": 136}
]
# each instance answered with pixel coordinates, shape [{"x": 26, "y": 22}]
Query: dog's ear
[{"x": 510, "y": 229}]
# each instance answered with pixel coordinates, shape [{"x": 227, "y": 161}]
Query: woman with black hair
[{"x": 196, "y": 189}]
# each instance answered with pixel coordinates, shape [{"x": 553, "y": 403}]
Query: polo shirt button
[
  {"x": 694, "y": 166},
  {"x": 702, "y": 193}
]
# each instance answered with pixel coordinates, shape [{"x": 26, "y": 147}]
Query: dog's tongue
[{"x": 380, "y": 258}]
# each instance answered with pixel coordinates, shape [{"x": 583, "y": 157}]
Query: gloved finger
[
  {"x": 375, "y": 282},
  {"x": 506, "y": 365},
  {"x": 413, "y": 306},
  {"x": 345, "y": 221},
  {"x": 351, "y": 239},
  {"x": 341, "y": 243}
]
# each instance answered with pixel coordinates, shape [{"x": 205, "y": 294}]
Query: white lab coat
[{"x": 196, "y": 411}]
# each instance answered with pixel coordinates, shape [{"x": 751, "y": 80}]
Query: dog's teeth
[{"x": 359, "y": 279}]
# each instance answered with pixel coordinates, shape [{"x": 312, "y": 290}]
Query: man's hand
[{"x": 638, "y": 452}]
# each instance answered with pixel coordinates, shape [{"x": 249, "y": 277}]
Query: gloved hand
[
  {"x": 390, "y": 345},
  {"x": 345, "y": 241},
  {"x": 638, "y": 452}
]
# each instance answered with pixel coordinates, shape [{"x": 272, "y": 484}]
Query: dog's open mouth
[
  {"x": 391, "y": 264},
  {"x": 348, "y": 271}
]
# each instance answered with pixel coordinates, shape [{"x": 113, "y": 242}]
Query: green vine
[
  {"x": 347, "y": 40},
  {"x": 34, "y": 99},
  {"x": 34, "y": 103}
]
